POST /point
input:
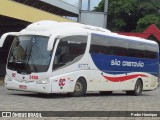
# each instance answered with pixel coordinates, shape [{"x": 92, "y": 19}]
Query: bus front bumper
[{"x": 27, "y": 86}]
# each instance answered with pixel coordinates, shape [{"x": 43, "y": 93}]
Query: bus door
[{"x": 69, "y": 56}]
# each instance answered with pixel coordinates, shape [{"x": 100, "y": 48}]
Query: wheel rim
[{"x": 78, "y": 87}]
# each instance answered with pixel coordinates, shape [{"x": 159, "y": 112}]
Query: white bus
[{"x": 61, "y": 57}]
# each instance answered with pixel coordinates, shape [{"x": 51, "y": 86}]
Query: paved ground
[{"x": 118, "y": 101}]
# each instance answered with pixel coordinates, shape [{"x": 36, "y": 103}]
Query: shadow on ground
[{"x": 61, "y": 96}]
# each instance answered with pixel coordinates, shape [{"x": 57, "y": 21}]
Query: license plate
[{"x": 22, "y": 86}]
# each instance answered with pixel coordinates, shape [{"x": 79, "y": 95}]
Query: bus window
[
  {"x": 68, "y": 49},
  {"x": 150, "y": 54},
  {"x": 108, "y": 45},
  {"x": 150, "y": 51},
  {"x": 119, "y": 47},
  {"x": 100, "y": 45},
  {"x": 119, "y": 51},
  {"x": 136, "y": 49}
]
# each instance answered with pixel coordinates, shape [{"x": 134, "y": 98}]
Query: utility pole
[
  {"x": 89, "y": 5},
  {"x": 105, "y": 13},
  {"x": 80, "y": 8}
]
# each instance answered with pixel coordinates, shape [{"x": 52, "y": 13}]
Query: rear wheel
[
  {"x": 137, "y": 89},
  {"x": 80, "y": 88}
]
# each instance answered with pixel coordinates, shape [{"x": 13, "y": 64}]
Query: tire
[
  {"x": 137, "y": 89},
  {"x": 80, "y": 88},
  {"x": 106, "y": 92}
]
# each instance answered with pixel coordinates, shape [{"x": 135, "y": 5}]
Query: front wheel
[{"x": 80, "y": 88}]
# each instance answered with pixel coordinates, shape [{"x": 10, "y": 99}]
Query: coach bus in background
[{"x": 60, "y": 57}]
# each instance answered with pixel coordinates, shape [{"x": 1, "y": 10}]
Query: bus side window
[
  {"x": 68, "y": 49},
  {"x": 136, "y": 50},
  {"x": 100, "y": 45},
  {"x": 119, "y": 51},
  {"x": 108, "y": 45},
  {"x": 150, "y": 52}
]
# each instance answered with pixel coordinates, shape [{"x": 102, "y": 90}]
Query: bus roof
[{"x": 51, "y": 27}]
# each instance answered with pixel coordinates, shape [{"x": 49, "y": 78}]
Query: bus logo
[
  {"x": 62, "y": 83},
  {"x": 13, "y": 74}
]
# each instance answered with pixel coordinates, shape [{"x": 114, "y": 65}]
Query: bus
[{"x": 64, "y": 57}]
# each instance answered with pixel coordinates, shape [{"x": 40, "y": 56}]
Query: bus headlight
[{"x": 45, "y": 81}]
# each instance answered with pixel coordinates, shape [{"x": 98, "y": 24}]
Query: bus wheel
[
  {"x": 80, "y": 88},
  {"x": 138, "y": 88}
]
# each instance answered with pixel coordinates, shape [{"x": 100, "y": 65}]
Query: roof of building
[{"x": 151, "y": 30}]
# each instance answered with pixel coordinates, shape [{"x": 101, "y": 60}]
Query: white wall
[{"x": 92, "y": 18}]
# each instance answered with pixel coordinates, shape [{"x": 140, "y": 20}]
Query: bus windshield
[{"x": 29, "y": 54}]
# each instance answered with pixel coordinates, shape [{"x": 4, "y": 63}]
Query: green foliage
[
  {"x": 146, "y": 21},
  {"x": 131, "y": 15},
  {"x": 100, "y": 7},
  {"x": 119, "y": 23},
  {"x": 121, "y": 6}
]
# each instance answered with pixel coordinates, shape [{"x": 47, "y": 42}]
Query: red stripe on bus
[{"x": 124, "y": 78}]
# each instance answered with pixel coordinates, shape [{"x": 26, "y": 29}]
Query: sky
[
  {"x": 73, "y": 2},
  {"x": 84, "y": 3}
]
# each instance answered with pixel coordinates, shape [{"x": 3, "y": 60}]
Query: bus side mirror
[{"x": 4, "y": 36}]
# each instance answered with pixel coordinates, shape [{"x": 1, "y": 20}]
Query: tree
[
  {"x": 131, "y": 15},
  {"x": 147, "y": 20}
]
